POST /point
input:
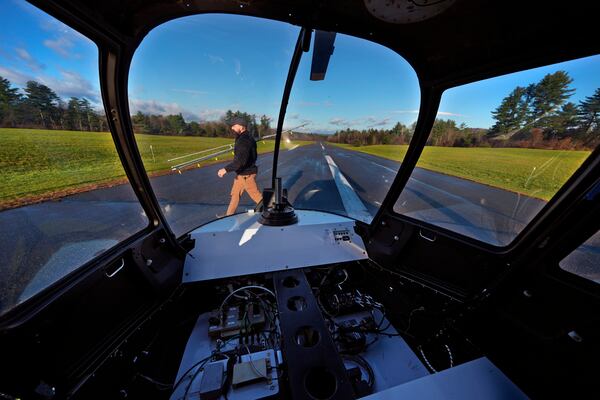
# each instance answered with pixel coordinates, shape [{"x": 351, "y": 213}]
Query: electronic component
[
  {"x": 338, "y": 302},
  {"x": 235, "y": 319},
  {"x": 211, "y": 385},
  {"x": 341, "y": 235},
  {"x": 350, "y": 339},
  {"x": 251, "y": 370}
]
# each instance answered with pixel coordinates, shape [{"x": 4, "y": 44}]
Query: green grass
[
  {"x": 35, "y": 162},
  {"x": 534, "y": 172}
]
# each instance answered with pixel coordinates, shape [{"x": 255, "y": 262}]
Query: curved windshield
[
  {"x": 358, "y": 120},
  {"x": 191, "y": 81}
]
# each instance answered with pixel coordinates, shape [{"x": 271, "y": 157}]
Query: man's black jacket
[{"x": 244, "y": 155}]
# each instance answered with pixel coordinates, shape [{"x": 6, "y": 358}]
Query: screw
[
  {"x": 149, "y": 262},
  {"x": 396, "y": 237}
]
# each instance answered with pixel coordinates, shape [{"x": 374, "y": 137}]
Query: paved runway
[{"x": 37, "y": 241}]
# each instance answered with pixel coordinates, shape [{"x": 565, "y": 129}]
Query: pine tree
[
  {"x": 41, "y": 99},
  {"x": 511, "y": 114},
  {"x": 548, "y": 96},
  {"x": 589, "y": 113},
  {"x": 563, "y": 122},
  {"x": 74, "y": 117},
  {"x": 265, "y": 126},
  {"x": 9, "y": 99}
]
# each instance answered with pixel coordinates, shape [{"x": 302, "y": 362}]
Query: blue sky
[
  {"x": 36, "y": 46},
  {"x": 203, "y": 65}
]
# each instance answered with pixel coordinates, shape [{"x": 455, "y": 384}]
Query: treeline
[
  {"x": 399, "y": 134},
  {"x": 40, "y": 107},
  {"x": 540, "y": 114},
  {"x": 178, "y": 126},
  {"x": 536, "y": 116}
]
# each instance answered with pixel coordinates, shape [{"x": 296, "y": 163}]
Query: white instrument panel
[
  {"x": 240, "y": 245},
  {"x": 474, "y": 380}
]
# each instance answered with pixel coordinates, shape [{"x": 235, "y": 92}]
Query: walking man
[{"x": 243, "y": 164}]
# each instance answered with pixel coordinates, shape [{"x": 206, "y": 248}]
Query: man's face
[{"x": 237, "y": 128}]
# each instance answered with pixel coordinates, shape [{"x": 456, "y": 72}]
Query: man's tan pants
[{"x": 240, "y": 184}]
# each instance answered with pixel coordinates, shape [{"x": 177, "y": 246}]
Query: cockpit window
[
  {"x": 500, "y": 149},
  {"x": 359, "y": 120},
  {"x": 64, "y": 196},
  {"x": 193, "y": 79}
]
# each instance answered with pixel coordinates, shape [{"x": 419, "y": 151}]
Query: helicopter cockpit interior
[{"x": 429, "y": 220}]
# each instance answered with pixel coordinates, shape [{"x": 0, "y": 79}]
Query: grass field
[
  {"x": 36, "y": 163},
  {"x": 537, "y": 173},
  {"x": 45, "y": 164}
]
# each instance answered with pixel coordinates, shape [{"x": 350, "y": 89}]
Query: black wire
[{"x": 189, "y": 385}]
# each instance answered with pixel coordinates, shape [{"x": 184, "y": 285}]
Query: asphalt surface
[{"x": 41, "y": 243}]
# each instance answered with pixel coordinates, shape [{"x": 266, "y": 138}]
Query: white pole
[{"x": 152, "y": 150}]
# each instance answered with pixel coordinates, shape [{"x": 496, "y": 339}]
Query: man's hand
[{"x": 221, "y": 172}]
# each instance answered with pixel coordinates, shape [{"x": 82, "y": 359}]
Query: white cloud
[
  {"x": 374, "y": 122},
  {"x": 62, "y": 45},
  {"x": 215, "y": 59},
  {"x": 443, "y": 113},
  {"x": 212, "y": 113},
  {"x": 161, "y": 108},
  {"x": 405, "y": 112},
  {"x": 339, "y": 122},
  {"x": 450, "y": 114},
  {"x": 15, "y": 77},
  {"x": 69, "y": 84},
  {"x": 361, "y": 122},
  {"x": 28, "y": 59},
  {"x": 238, "y": 66},
  {"x": 72, "y": 84}
]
